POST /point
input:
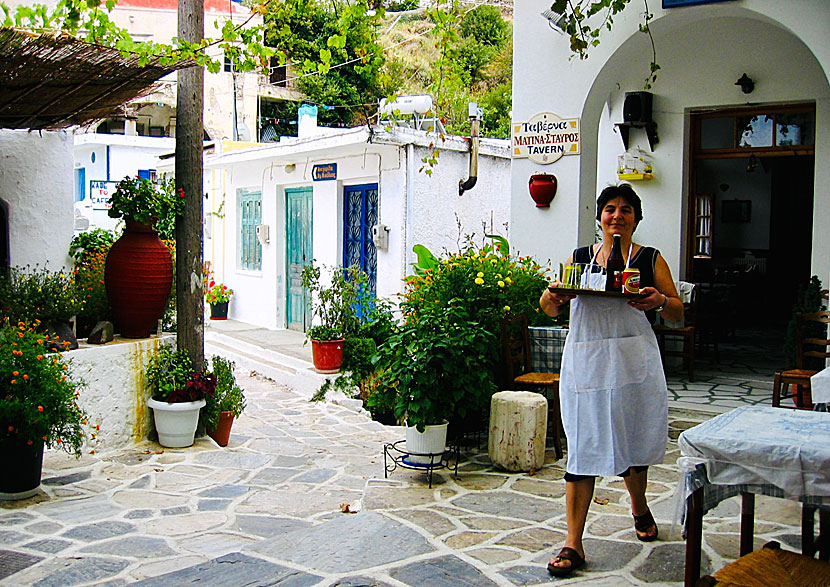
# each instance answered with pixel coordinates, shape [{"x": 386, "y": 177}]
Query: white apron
[{"x": 612, "y": 390}]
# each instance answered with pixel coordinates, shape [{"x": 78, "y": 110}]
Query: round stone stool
[{"x": 518, "y": 425}]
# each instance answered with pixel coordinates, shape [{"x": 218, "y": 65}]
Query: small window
[
  {"x": 228, "y": 67},
  {"x": 717, "y": 133},
  {"x": 794, "y": 129},
  {"x": 278, "y": 73},
  {"x": 250, "y": 215},
  {"x": 755, "y": 131}
]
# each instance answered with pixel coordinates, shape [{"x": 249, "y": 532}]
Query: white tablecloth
[
  {"x": 820, "y": 387},
  {"x": 789, "y": 449}
]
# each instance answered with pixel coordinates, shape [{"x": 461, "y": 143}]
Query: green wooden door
[{"x": 298, "y": 255}]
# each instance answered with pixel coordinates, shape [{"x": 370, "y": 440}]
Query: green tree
[
  {"x": 345, "y": 35},
  {"x": 485, "y": 25}
]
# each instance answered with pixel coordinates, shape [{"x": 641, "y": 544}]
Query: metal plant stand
[{"x": 395, "y": 455}]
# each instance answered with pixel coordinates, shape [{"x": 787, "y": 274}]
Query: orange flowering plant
[
  {"x": 218, "y": 293},
  {"x": 38, "y": 397},
  {"x": 89, "y": 251}
]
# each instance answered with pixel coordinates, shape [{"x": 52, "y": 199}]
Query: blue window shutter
[
  {"x": 250, "y": 215},
  {"x": 80, "y": 183}
]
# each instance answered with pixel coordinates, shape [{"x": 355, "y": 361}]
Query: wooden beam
[{"x": 190, "y": 297}]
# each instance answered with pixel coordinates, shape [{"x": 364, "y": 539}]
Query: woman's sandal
[
  {"x": 644, "y": 523},
  {"x": 566, "y": 554}
]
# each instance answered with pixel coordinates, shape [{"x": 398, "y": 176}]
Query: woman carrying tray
[{"x": 612, "y": 390}]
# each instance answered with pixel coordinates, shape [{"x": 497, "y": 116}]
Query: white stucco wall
[
  {"x": 114, "y": 395},
  {"x": 702, "y": 51},
  {"x": 36, "y": 182}
]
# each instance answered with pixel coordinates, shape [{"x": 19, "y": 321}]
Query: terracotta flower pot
[
  {"x": 327, "y": 355},
  {"x": 222, "y": 433},
  {"x": 138, "y": 277},
  {"x": 542, "y": 189}
]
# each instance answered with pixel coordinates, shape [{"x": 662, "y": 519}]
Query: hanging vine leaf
[{"x": 574, "y": 22}]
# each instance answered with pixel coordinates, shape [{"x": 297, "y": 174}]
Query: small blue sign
[
  {"x": 676, "y": 3},
  {"x": 324, "y": 172}
]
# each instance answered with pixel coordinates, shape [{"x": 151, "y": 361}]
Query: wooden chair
[
  {"x": 685, "y": 334},
  {"x": 516, "y": 345},
  {"x": 806, "y": 346},
  {"x": 771, "y": 566}
]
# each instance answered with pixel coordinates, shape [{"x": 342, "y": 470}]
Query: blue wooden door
[
  {"x": 361, "y": 214},
  {"x": 298, "y": 255}
]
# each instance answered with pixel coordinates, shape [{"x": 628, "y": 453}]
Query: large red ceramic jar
[{"x": 138, "y": 276}]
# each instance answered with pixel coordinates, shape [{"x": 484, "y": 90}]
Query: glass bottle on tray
[{"x": 614, "y": 266}]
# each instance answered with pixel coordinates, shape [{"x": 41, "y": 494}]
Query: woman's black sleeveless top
[{"x": 644, "y": 260}]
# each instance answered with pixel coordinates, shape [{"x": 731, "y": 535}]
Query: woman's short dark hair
[{"x": 624, "y": 191}]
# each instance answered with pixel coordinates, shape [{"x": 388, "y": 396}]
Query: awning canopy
[{"x": 52, "y": 81}]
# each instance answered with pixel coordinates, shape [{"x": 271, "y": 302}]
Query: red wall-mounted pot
[{"x": 542, "y": 189}]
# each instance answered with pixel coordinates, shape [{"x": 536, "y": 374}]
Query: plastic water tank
[{"x": 407, "y": 105}]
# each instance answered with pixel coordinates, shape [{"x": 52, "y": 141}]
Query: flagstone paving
[{"x": 269, "y": 509}]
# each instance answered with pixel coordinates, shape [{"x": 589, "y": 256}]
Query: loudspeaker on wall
[{"x": 637, "y": 107}]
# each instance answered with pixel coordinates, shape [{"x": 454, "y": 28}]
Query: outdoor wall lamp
[{"x": 746, "y": 83}]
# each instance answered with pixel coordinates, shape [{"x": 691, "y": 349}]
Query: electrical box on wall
[
  {"x": 380, "y": 236},
  {"x": 262, "y": 234}
]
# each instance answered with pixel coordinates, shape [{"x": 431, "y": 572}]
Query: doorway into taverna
[{"x": 750, "y": 227}]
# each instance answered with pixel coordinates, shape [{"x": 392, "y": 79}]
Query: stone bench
[{"x": 518, "y": 428}]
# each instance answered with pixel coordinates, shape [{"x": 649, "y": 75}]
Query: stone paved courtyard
[{"x": 269, "y": 509}]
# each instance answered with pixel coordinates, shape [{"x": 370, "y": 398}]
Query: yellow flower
[
  {"x": 507, "y": 308},
  {"x": 500, "y": 283},
  {"x": 479, "y": 281},
  {"x": 479, "y": 274}
]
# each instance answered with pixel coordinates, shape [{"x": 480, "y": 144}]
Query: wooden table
[{"x": 755, "y": 450}]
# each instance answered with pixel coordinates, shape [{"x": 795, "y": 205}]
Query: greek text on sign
[
  {"x": 100, "y": 192},
  {"x": 324, "y": 172},
  {"x": 545, "y": 138}
]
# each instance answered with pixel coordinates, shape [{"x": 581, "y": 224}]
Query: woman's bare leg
[
  {"x": 578, "y": 496},
  {"x": 636, "y": 484}
]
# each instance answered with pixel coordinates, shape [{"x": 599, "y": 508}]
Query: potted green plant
[
  {"x": 430, "y": 372},
  {"x": 37, "y": 408},
  {"x": 139, "y": 267},
  {"x": 336, "y": 305},
  {"x": 178, "y": 392},
  {"x": 226, "y": 404},
  {"x": 218, "y": 296},
  {"x": 51, "y": 298}
]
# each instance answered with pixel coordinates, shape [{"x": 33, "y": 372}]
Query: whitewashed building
[
  {"x": 320, "y": 196},
  {"x": 740, "y": 126},
  {"x": 35, "y": 198}
]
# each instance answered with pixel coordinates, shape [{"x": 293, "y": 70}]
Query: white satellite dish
[{"x": 243, "y": 133}]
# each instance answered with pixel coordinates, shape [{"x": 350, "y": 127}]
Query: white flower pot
[
  {"x": 176, "y": 423},
  {"x": 432, "y": 441}
]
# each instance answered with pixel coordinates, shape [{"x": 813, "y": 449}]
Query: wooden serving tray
[{"x": 594, "y": 292}]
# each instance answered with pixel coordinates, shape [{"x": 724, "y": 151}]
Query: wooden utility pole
[{"x": 189, "y": 133}]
